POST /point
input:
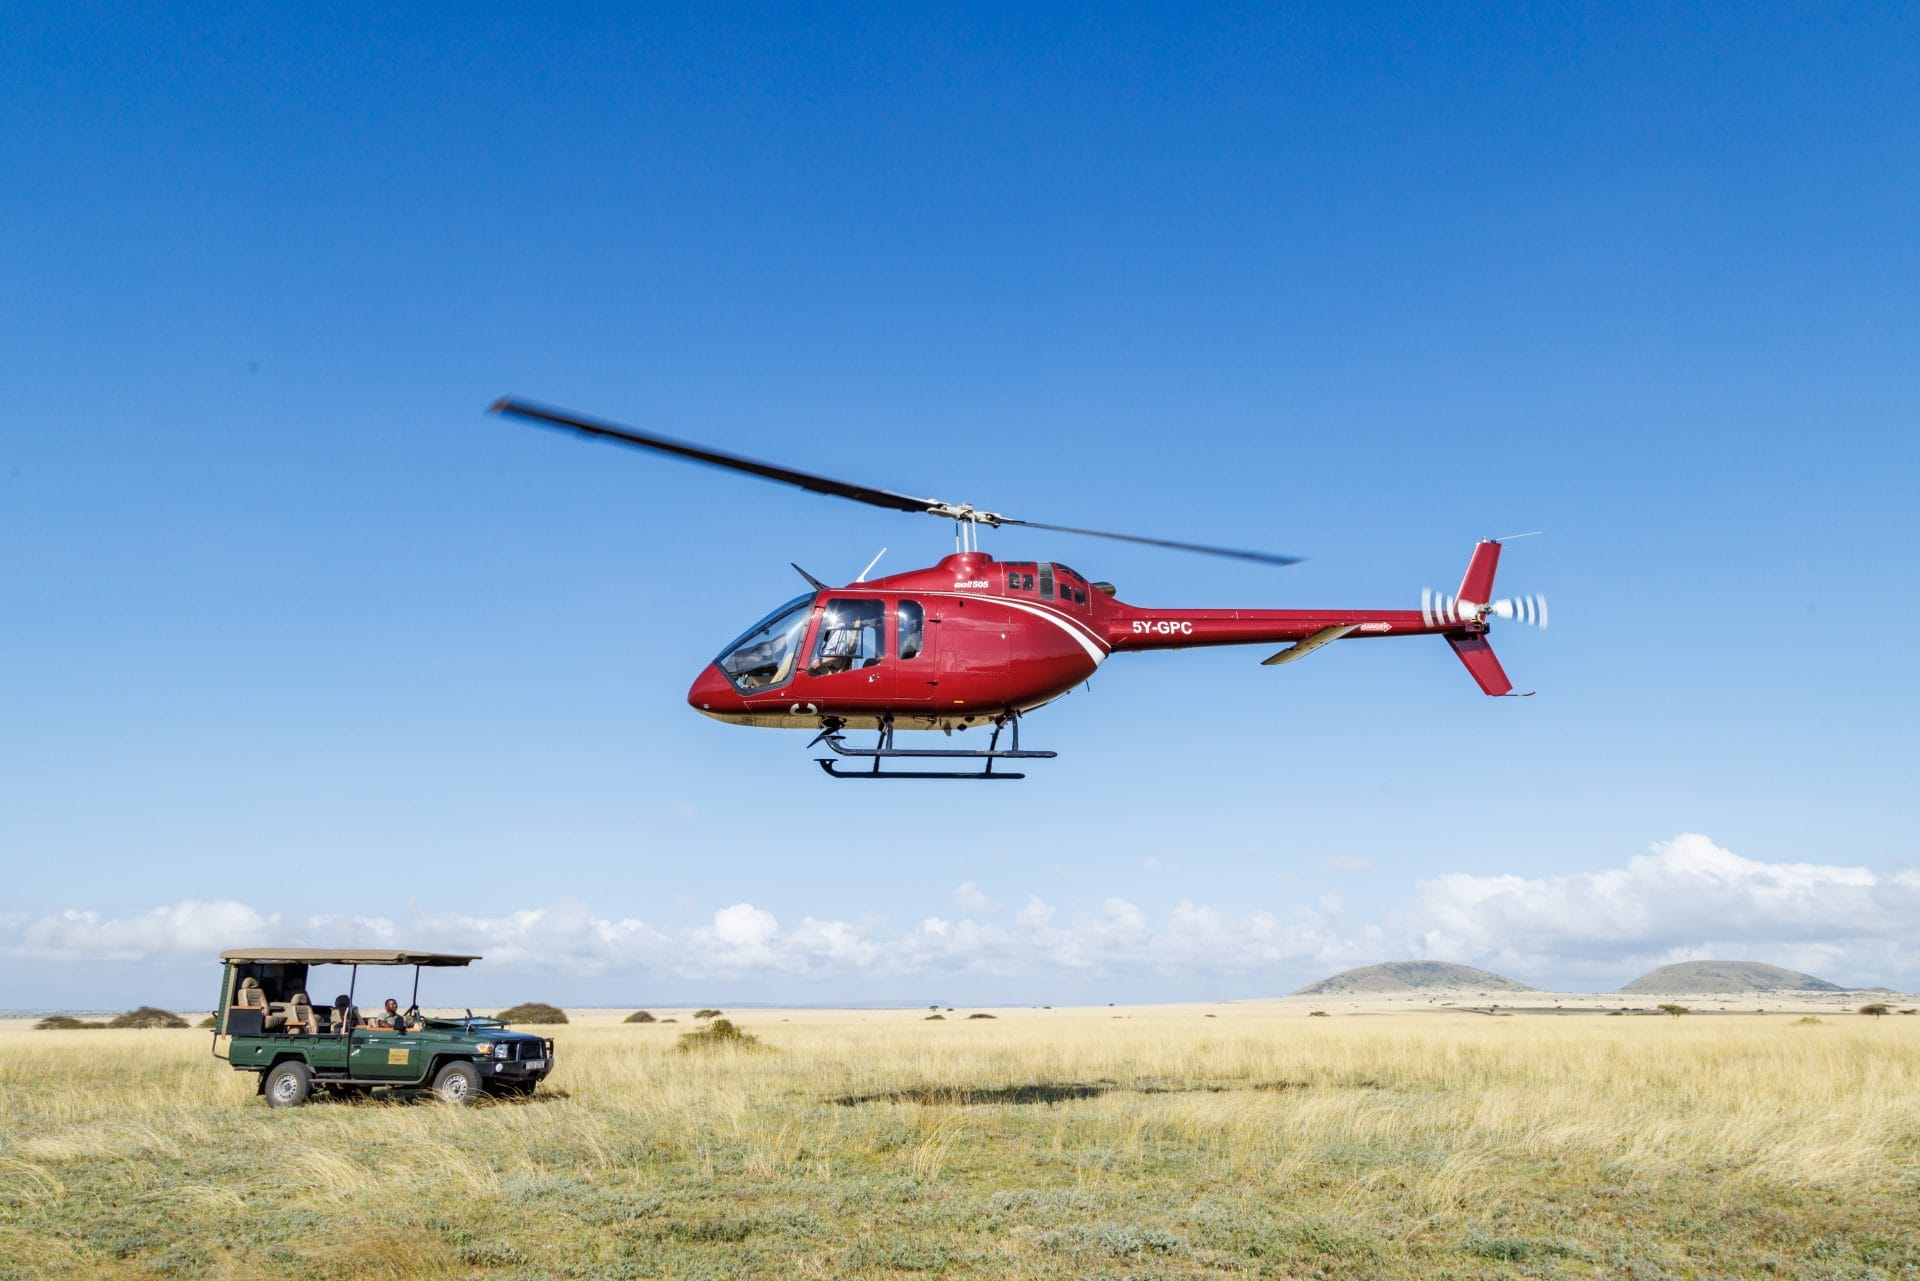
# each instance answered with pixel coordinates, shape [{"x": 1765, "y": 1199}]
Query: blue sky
[{"x": 300, "y": 643}]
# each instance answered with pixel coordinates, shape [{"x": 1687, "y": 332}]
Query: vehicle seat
[
  {"x": 338, "y": 1021},
  {"x": 300, "y": 1015},
  {"x": 249, "y": 997}
]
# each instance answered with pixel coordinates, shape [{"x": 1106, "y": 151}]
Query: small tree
[
  {"x": 640, "y": 1016},
  {"x": 1876, "y": 1009},
  {"x": 1669, "y": 1008},
  {"x": 532, "y": 1012},
  {"x": 148, "y": 1016},
  {"x": 719, "y": 1034},
  {"x": 708, "y": 1014}
]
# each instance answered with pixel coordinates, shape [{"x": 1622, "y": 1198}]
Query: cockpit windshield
[{"x": 763, "y": 655}]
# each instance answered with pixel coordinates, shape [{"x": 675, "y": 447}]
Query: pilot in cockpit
[{"x": 837, "y": 649}]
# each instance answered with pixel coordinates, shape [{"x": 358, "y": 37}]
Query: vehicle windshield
[{"x": 763, "y": 655}]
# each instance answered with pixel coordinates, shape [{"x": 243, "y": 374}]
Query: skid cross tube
[{"x": 885, "y": 750}]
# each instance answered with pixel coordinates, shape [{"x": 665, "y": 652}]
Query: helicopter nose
[{"x": 712, "y": 693}]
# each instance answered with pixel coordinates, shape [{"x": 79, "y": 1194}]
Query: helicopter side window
[
  {"x": 852, "y": 634},
  {"x": 1046, "y": 582},
  {"x": 764, "y": 655},
  {"x": 913, "y": 628}
]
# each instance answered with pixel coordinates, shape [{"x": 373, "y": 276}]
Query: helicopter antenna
[
  {"x": 870, "y": 564},
  {"x": 966, "y": 516}
]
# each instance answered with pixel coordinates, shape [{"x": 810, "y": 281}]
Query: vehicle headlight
[
  {"x": 483, "y": 1047},
  {"x": 500, "y": 1051}
]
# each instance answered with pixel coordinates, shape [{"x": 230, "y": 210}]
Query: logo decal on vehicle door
[{"x": 397, "y": 1058}]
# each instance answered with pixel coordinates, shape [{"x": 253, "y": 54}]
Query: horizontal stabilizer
[
  {"x": 1300, "y": 649},
  {"x": 1485, "y": 669}
]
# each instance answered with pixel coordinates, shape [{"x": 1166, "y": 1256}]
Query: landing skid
[{"x": 885, "y": 751}]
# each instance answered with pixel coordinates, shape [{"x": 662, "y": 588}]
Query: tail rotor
[
  {"x": 1440, "y": 610},
  {"x": 1531, "y": 610}
]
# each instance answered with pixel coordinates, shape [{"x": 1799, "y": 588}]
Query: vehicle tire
[
  {"x": 288, "y": 1084},
  {"x": 457, "y": 1083}
]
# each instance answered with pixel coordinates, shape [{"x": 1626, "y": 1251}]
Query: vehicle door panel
[{"x": 389, "y": 1056}]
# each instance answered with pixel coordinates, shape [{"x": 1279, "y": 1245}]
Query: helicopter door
[
  {"x": 970, "y": 653},
  {"x": 848, "y": 660}
]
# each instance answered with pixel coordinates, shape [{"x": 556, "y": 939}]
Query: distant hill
[
  {"x": 1411, "y": 976},
  {"x": 1706, "y": 977}
]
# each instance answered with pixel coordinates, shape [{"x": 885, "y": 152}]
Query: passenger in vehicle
[{"x": 392, "y": 1019}]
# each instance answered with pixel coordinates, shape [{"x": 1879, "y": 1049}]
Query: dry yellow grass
[{"x": 1039, "y": 1144}]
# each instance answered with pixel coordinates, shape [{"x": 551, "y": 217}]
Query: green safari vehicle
[{"x": 267, "y": 1024}]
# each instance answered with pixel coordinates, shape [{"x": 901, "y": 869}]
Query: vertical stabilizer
[{"x": 1477, "y": 584}]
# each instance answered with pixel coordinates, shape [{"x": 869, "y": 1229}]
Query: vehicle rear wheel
[
  {"x": 457, "y": 1083},
  {"x": 288, "y": 1084}
]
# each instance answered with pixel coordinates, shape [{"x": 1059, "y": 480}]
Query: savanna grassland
[{"x": 1134, "y": 1143}]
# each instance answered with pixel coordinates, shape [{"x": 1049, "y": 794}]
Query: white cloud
[
  {"x": 971, "y": 898},
  {"x": 1685, "y": 898}
]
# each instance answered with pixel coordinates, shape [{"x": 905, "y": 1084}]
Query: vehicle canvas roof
[{"x": 349, "y": 956}]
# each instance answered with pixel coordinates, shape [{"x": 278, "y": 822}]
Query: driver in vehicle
[{"x": 392, "y": 1018}]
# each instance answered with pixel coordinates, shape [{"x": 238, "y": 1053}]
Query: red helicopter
[{"x": 975, "y": 641}]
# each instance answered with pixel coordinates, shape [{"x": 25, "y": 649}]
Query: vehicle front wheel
[
  {"x": 287, "y": 1085},
  {"x": 458, "y": 1083}
]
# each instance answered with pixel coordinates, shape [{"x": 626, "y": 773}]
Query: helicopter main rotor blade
[
  {"x": 550, "y": 417},
  {"x": 510, "y": 407},
  {"x": 1264, "y": 558}
]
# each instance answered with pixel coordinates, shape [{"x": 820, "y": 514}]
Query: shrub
[
  {"x": 719, "y": 1034},
  {"x": 1318, "y": 1014},
  {"x": 1805, "y": 1019},
  {"x": 532, "y": 1012},
  {"x": 669, "y": 1020},
  {"x": 980, "y": 1015},
  {"x": 208, "y": 1022},
  {"x": 708, "y": 1014},
  {"x": 1669, "y": 1008},
  {"x": 641, "y": 1016},
  {"x": 148, "y": 1016},
  {"x": 933, "y": 1017},
  {"x": 1876, "y": 1009},
  {"x": 63, "y": 1023}
]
